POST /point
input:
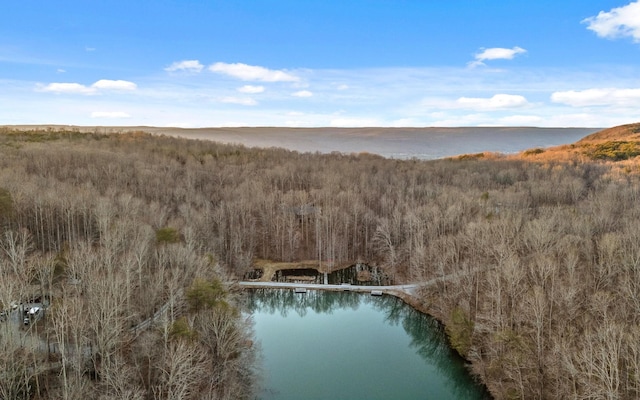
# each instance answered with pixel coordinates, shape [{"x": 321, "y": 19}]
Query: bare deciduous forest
[{"x": 136, "y": 241}]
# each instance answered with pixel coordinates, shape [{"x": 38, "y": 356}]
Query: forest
[{"x": 135, "y": 241}]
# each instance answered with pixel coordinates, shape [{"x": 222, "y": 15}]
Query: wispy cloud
[
  {"x": 110, "y": 114},
  {"x": 347, "y": 122},
  {"x": 251, "y": 89},
  {"x": 95, "y": 88},
  {"x": 495, "y": 53},
  {"x": 302, "y": 93},
  {"x": 598, "y": 97},
  {"x": 253, "y": 73},
  {"x": 243, "y": 101},
  {"x": 496, "y": 102},
  {"x": 520, "y": 120},
  {"x": 617, "y": 23},
  {"x": 376, "y": 97},
  {"x": 193, "y": 66}
]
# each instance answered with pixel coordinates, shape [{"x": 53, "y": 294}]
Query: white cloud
[
  {"x": 584, "y": 119},
  {"x": 77, "y": 88},
  {"x": 252, "y": 73},
  {"x": 464, "y": 120},
  {"x": 376, "y": 97},
  {"x": 354, "y": 122},
  {"x": 497, "y": 102},
  {"x": 523, "y": 120},
  {"x": 109, "y": 114},
  {"x": 302, "y": 93},
  {"x": 619, "y": 22},
  {"x": 243, "y": 101},
  {"x": 107, "y": 84},
  {"x": 71, "y": 88},
  {"x": 598, "y": 97},
  {"x": 251, "y": 89},
  {"x": 406, "y": 122},
  {"x": 496, "y": 53},
  {"x": 185, "y": 65}
]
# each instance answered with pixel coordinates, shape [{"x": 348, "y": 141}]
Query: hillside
[
  {"x": 617, "y": 144},
  {"x": 629, "y": 132}
]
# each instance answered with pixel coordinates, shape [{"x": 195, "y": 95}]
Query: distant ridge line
[{"x": 426, "y": 143}]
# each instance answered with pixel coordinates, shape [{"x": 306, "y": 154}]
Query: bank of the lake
[{"x": 337, "y": 345}]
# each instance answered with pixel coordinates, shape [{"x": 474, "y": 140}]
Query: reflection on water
[
  {"x": 360, "y": 274},
  {"x": 343, "y": 345}
]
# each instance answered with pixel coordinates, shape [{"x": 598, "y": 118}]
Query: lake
[{"x": 343, "y": 345}]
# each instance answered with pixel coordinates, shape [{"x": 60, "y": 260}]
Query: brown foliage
[{"x": 548, "y": 250}]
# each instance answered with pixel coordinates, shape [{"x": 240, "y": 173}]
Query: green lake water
[{"x": 342, "y": 345}]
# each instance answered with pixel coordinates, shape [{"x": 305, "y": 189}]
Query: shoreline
[
  {"x": 422, "y": 307},
  {"x": 410, "y": 300},
  {"x": 269, "y": 268}
]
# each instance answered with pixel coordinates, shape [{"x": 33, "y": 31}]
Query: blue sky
[{"x": 196, "y": 63}]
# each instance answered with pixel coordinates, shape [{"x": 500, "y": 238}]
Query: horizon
[
  {"x": 364, "y": 64},
  {"x": 256, "y": 127},
  {"x": 400, "y": 143}
]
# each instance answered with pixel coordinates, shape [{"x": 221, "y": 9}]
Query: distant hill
[
  {"x": 629, "y": 132},
  {"x": 620, "y": 143},
  {"x": 401, "y": 143}
]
